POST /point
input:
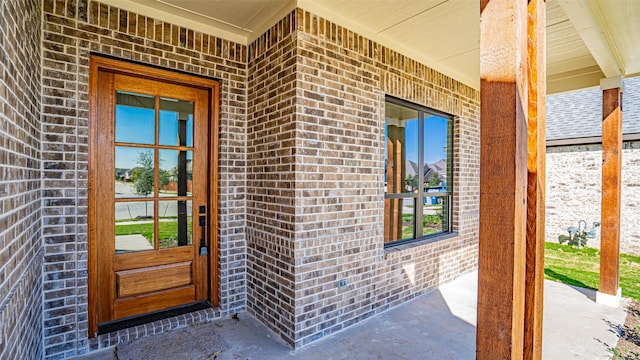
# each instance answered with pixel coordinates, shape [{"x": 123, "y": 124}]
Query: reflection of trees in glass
[
  {"x": 164, "y": 177},
  {"x": 434, "y": 179},
  {"x": 142, "y": 176},
  {"x": 412, "y": 181}
]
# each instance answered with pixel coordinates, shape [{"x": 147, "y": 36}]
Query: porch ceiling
[{"x": 586, "y": 39}]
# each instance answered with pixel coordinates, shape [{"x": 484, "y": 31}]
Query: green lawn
[
  {"x": 581, "y": 267},
  {"x": 167, "y": 231}
]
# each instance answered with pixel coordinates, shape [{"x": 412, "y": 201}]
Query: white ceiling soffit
[
  {"x": 586, "y": 39},
  {"x": 235, "y": 20},
  {"x": 442, "y": 34},
  {"x": 619, "y": 24},
  {"x": 580, "y": 16}
]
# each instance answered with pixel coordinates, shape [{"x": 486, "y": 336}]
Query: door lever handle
[{"x": 204, "y": 250}]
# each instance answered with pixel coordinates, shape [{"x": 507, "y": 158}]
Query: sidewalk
[{"x": 438, "y": 325}]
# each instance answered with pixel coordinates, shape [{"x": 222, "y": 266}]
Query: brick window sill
[{"x": 395, "y": 250}]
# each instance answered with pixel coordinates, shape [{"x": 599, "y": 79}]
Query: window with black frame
[{"x": 418, "y": 177}]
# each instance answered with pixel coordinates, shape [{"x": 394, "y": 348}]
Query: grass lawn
[
  {"x": 167, "y": 231},
  {"x": 581, "y": 267}
]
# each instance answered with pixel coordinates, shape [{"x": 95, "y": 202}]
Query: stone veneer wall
[
  {"x": 20, "y": 184},
  {"x": 72, "y": 30},
  {"x": 335, "y": 137},
  {"x": 574, "y": 192}
]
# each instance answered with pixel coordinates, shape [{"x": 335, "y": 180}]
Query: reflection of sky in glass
[
  {"x": 135, "y": 125},
  {"x": 435, "y": 139},
  {"x": 169, "y": 128},
  {"x": 169, "y": 158},
  {"x": 411, "y": 140},
  {"x": 127, "y": 157}
]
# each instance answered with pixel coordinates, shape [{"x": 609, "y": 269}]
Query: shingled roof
[{"x": 578, "y": 114}]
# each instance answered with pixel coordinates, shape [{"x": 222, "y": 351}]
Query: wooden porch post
[
  {"x": 536, "y": 169},
  {"x": 512, "y": 69},
  {"x": 609, "y": 292}
]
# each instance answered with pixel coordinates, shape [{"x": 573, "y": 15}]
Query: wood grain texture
[
  {"x": 146, "y": 280},
  {"x": 503, "y": 180},
  {"x": 104, "y": 195},
  {"x": 611, "y": 183},
  {"x": 106, "y": 76},
  {"x": 536, "y": 149},
  {"x": 212, "y": 224},
  {"x": 153, "y": 302}
]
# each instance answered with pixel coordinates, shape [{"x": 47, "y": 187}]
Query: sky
[
  {"x": 435, "y": 138},
  {"x": 136, "y": 125}
]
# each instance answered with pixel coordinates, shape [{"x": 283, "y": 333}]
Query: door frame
[{"x": 97, "y": 64}]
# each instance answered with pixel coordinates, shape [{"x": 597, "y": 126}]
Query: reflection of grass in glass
[
  {"x": 407, "y": 226},
  {"x": 430, "y": 224},
  {"x": 167, "y": 232}
]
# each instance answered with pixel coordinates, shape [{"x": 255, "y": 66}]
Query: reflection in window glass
[
  {"x": 134, "y": 172},
  {"x": 175, "y": 172},
  {"x": 174, "y": 223},
  {"x": 435, "y": 214},
  {"x": 134, "y": 226},
  {"x": 135, "y": 118},
  {"x": 401, "y": 150},
  {"x": 417, "y": 179},
  {"x": 176, "y": 122},
  {"x": 403, "y": 213},
  {"x": 436, "y": 153}
]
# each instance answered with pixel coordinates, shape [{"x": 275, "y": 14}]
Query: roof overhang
[{"x": 587, "y": 40}]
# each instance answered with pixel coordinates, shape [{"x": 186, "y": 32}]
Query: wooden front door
[{"x": 152, "y": 225}]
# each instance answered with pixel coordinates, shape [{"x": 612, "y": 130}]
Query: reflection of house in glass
[{"x": 172, "y": 184}]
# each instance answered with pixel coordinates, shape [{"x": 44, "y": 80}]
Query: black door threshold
[{"x": 133, "y": 321}]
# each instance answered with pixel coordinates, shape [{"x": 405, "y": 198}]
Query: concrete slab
[{"x": 438, "y": 325}]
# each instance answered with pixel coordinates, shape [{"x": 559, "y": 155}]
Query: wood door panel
[
  {"x": 123, "y": 308},
  {"x": 153, "y": 258},
  {"x": 171, "y": 272},
  {"x": 151, "y": 87},
  {"x": 147, "y": 280}
]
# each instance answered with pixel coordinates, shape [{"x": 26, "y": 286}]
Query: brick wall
[
  {"x": 315, "y": 179},
  {"x": 270, "y": 177},
  {"x": 342, "y": 80},
  {"x": 20, "y": 196},
  {"x": 72, "y": 30},
  {"x": 574, "y": 192},
  {"x": 302, "y": 116}
]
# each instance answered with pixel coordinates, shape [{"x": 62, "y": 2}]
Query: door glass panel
[
  {"x": 176, "y": 122},
  {"x": 174, "y": 223},
  {"x": 175, "y": 173},
  {"x": 134, "y": 224},
  {"x": 135, "y": 118},
  {"x": 134, "y": 172}
]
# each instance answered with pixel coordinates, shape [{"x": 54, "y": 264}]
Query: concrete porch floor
[{"x": 437, "y": 325}]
